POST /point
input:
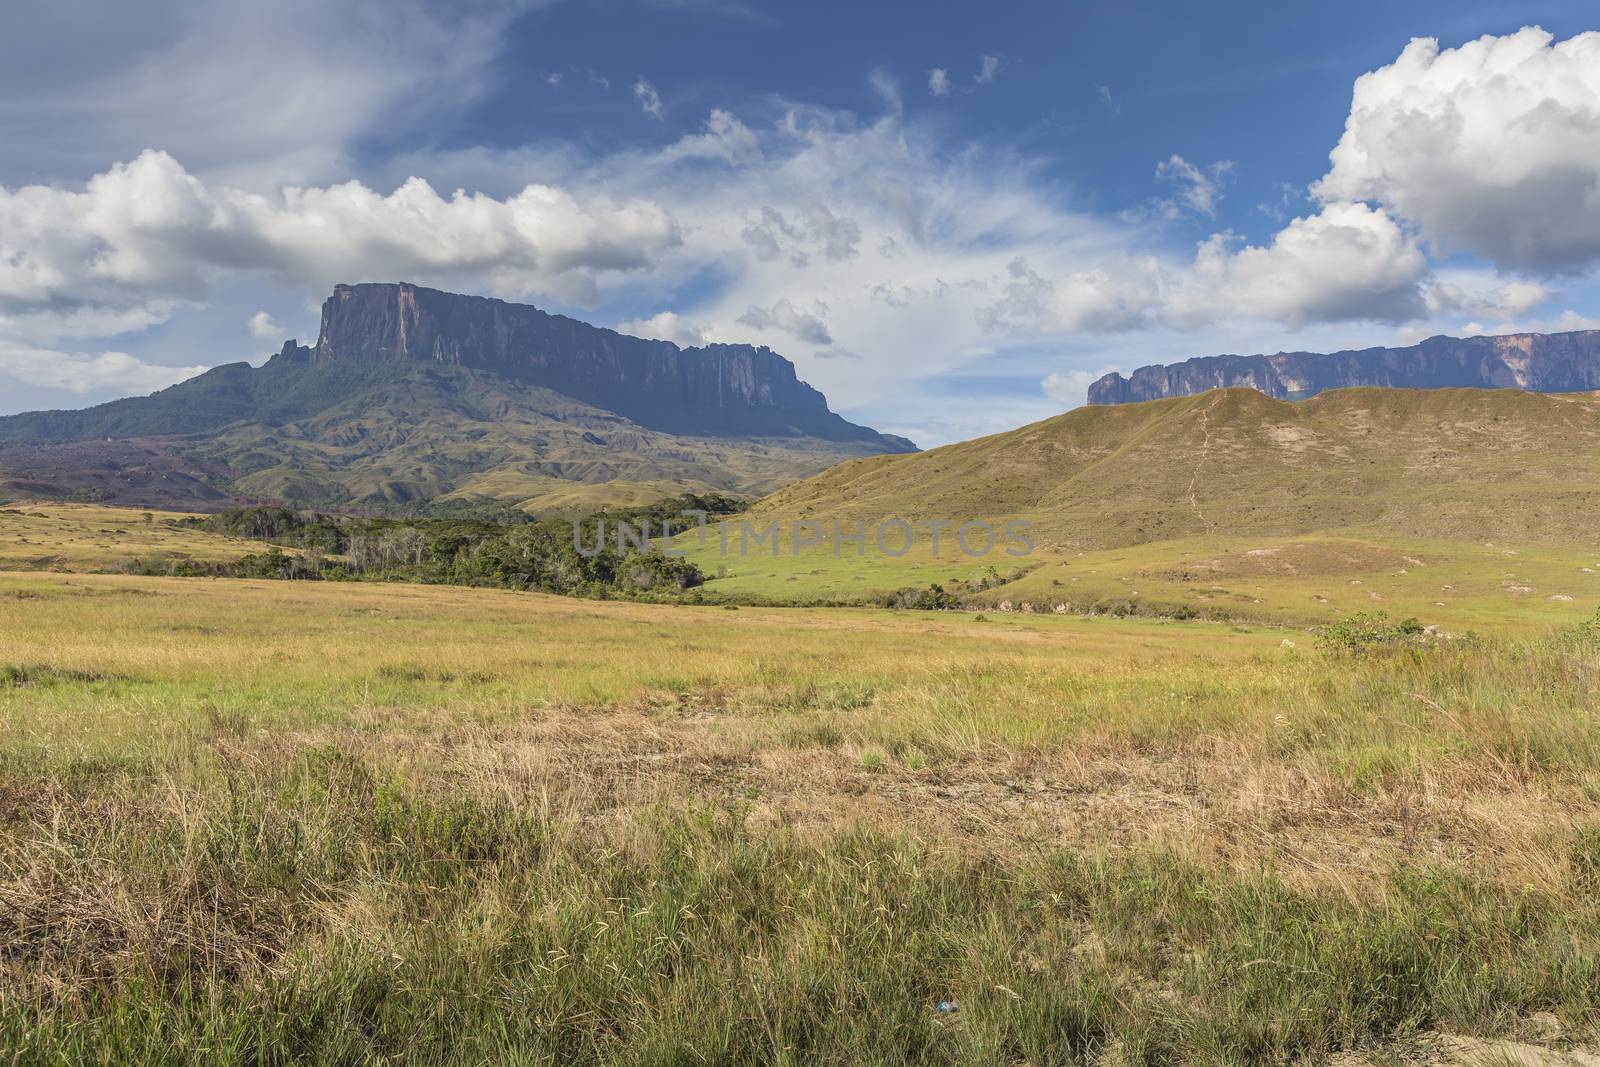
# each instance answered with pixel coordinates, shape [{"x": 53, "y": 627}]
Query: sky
[{"x": 951, "y": 216}]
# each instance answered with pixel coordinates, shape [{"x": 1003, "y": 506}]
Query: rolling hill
[
  {"x": 415, "y": 395},
  {"x": 1464, "y": 507},
  {"x": 1452, "y": 463}
]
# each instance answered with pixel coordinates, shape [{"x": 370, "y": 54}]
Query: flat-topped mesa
[
  {"x": 1535, "y": 362},
  {"x": 717, "y": 389}
]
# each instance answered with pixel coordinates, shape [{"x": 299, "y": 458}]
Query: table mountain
[
  {"x": 1536, "y": 362},
  {"x": 737, "y": 389},
  {"x": 412, "y": 394}
]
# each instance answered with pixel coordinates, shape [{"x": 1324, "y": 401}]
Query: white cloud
[
  {"x": 1199, "y": 189},
  {"x": 242, "y": 91},
  {"x": 146, "y": 239},
  {"x": 666, "y": 326},
  {"x": 1107, "y": 100},
  {"x": 84, "y": 373},
  {"x": 265, "y": 327},
  {"x": 1347, "y": 262},
  {"x": 1566, "y": 322},
  {"x": 989, "y": 68},
  {"x": 1499, "y": 302},
  {"x": 1071, "y": 387},
  {"x": 872, "y": 251},
  {"x": 725, "y": 138},
  {"x": 1491, "y": 148},
  {"x": 149, "y": 229},
  {"x": 554, "y": 79},
  {"x": 786, "y": 318},
  {"x": 809, "y": 229},
  {"x": 939, "y": 81},
  {"x": 649, "y": 99}
]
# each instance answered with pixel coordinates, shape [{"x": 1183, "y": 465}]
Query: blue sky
[{"x": 950, "y": 215}]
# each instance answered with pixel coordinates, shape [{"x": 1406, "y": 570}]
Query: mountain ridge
[
  {"x": 412, "y": 394},
  {"x": 1535, "y": 362},
  {"x": 371, "y": 330}
]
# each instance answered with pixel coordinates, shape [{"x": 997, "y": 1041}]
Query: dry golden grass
[
  {"x": 90, "y": 537},
  {"x": 1232, "y": 745}
]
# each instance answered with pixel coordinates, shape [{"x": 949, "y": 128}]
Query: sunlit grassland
[
  {"x": 1297, "y": 581},
  {"x": 1289, "y": 581},
  {"x": 1312, "y": 579},
  {"x": 743, "y": 569},
  {"x": 85, "y": 537},
  {"x": 262, "y": 822}
]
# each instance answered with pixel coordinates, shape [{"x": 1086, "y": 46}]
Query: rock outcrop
[
  {"x": 1539, "y": 363},
  {"x": 717, "y": 389}
]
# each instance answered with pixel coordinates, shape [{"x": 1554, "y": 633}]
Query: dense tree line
[{"x": 510, "y": 550}]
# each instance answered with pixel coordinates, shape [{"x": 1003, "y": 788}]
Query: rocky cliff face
[
  {"x": 718, "y": 389},
  {"x": 1540, "y": 363}
]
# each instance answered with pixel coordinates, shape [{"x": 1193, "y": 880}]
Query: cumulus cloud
[
  {"x": 666, "y": 326},
  {"x": 148, "y": 228},
  {"x": 786, "y": 318},
  {"x": 649, "y": 99},
  {"x": 1492, "y": 148},
  {"x": 265, "y": 327},
  {"x": 146, "y": 239},
  {"x": 989, "y": 68},
  {"x": 1348, "y": 262},
  {"x": 939, "y": 81}
]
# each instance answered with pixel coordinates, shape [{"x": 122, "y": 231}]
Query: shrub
[
  {"x": 933, "y": 598},
  {"x": 1370, "y": 631}
]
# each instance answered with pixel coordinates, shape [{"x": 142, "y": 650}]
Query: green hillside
[
  {"x": 1467, "y": 508},
  {"x": 1454, "y": 464},
  {"x": 383, "y": 436},
  {"x": 447, "y": 433}
]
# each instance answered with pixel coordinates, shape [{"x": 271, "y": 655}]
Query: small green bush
[
  {"x": 1370, "y": 631},
  {"x": 933, "y": 598}
]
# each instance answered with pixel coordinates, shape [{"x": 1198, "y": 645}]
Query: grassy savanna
[
  {"x": 1295, "y": 581},
  {"x": 1311, "y": 579},
  {"x": 89, "y": 537},
  {"x": 259, "y": 822}
]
